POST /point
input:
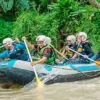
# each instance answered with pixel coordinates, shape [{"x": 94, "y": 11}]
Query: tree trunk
[{"x": 94, "y": 3}]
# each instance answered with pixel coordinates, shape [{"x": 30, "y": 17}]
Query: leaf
[
  {"x": 3, "y": 5},
  {"x": 6, "y": 5},
  {"x": 24, "y": 3},
  {"x": 10, "y": 4}
]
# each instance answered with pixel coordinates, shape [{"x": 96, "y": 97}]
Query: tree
[{"x": 95, "y": 3}]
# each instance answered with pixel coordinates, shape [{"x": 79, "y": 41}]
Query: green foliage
[
  {"x": 24, "y": 3},
  {"x": 23, "y": 25},
  {"x": 30, "y": 24},
  {"x": 5, "y": 30},
  {"x": 57, "y": 19},
  {"x": 41, "y": 5},
  {"x": 7, "y": 5}
]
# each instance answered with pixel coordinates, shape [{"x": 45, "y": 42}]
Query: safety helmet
[
  {"x": 41, "y": 38},
  {"x": 83, "y": 35},
  {"x": 71, "y": 38},
  {"x": 8, "y": 41},
  {"x": 48, "y": 40}
]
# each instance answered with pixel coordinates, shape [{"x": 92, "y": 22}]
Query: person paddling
[
  {"x": 71, "y": 43},
  {"x": 35, "y": 55},
  {"x": 43, "y": 49},
  {"x": 14, "y": 50},
  {"x": 83, "y": 47}
]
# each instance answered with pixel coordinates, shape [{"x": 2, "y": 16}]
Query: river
[{"x": 83, "y": 90}]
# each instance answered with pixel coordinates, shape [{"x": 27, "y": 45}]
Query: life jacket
[
  {"x": 51, "y": 60},
  {"x": 69, "y": 52},
  {"x": 35, "y": 53},
  {"x": 80, "y": 48},
  {"x": 18, "y": 54}
]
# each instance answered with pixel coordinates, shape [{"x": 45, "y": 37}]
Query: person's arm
[
  {"x": 29, "y": 44},
  {"x": 19, "y": 44},
  {"x": 46, "y": 55},
  {"x": 88, "y": 50},
  {"x": 66, "y": 49},
  {"x": 41, "y": 61},
  {"x": 63, "y": 52},
  {"x": 4, "y": 55},
  {"x": 75, "y": 55}
]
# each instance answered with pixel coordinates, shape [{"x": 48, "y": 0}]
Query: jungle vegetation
[{"x": 54, "y": 18}]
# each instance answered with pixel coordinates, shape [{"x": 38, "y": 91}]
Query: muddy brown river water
[{"x": 84, "y": 90}]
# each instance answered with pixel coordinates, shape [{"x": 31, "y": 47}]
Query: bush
[
  {"x": 5, "y": 30},
  {"x": 57, "y": 20}
]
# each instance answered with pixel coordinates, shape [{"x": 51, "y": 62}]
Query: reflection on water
[{"x": 84, "y": 90}]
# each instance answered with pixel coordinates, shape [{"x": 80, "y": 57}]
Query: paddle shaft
[
  {"x": 30, "y": 57},
  {"x": 59, "y": 52},
  {"x": 5, "y": 45},
  {"x": 80, "y": 54},
  {"x": 2, "y": 46}
]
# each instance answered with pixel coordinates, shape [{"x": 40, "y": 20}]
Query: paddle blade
[
  {"x": 39, "y": 83},
  {"x": 97, "y": 63}
]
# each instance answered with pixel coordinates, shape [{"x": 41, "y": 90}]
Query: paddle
[
  {"x": 96, "y": 62},
  {"x": 39, "y": 83},
  {"x": 2, "y": 46},
  {"x": 59, "y": 52},
  {"x": 5, "y": 45}
]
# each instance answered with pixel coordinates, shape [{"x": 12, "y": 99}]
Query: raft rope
[
  {"x": 6, "y": 44},
  {"x": 78, "y": 71},
  {"x": 88, "y": 74},
  {"x": 74, "y": 67}
]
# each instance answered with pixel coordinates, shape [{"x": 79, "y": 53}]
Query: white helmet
[
  {"x": 83, "y": 35},
  {"x": 48, "y": 40},
  {"x": 8, "y": 41},
  {"x": 71, "y": 38},
  {"x": 41, "y": 38}
]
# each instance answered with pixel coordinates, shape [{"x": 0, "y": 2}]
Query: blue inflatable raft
[{"x": 21, "y": 72}]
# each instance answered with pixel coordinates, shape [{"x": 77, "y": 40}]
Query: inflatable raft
[{"x": 21, "y": 72}]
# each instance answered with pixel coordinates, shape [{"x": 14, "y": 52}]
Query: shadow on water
[{"x": 10, "y": 86}]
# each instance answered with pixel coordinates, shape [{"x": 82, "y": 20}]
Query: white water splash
[
  {"x": 51, "y": 75},
  {"x": 43, "y": 78}
]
